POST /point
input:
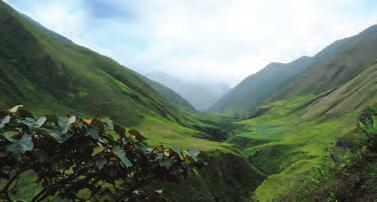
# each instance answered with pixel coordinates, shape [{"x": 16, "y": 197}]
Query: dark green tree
[{"x": 70, "y": 154}]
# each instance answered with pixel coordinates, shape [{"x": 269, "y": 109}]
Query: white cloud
[{"x": 216, "y": 40}]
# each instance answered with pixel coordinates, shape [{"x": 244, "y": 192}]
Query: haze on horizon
[{"x": 215, "y": 41}]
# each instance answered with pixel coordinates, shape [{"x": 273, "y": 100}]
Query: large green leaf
[
  {"x": 40, "y": 122},
  {"x": 108, "y": 122},
  {"x": 24, "y": 144},
  {"x": 32, "y": 123},
  {"x": 143, "y": 147},
  {"x": 29, "y": 122},
  {"x": 9, "y": 135},
  {"x": 93, "y": 132},
  {"x": 369, "y": 128},
  {"x": 65, "y": 123},
  {"x": 5, "y": 120},
  {"x": 374, "y": 126},
  {"x": 194, "y": 153},
  {"x": 57, "y": 135},
  {"x": 119, "y": 152}
]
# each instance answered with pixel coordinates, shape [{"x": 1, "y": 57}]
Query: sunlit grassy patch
[
  {"x": 286, "y": 146},
  {"x": 159, "y": 132}
]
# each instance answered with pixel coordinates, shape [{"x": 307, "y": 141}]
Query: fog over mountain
[
  {"x": 217, "y": 40},
  {"x": 200, "y": 93},
  {"x": 302, "y": 130}
]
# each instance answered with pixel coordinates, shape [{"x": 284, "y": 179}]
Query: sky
[{"x": 221, "y": 41}]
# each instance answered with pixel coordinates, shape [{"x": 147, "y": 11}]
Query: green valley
[{"x": 274, "y": 133}]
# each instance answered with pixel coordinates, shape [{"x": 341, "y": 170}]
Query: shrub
[
  {"x": 368, "y": 123},
  {"x": 371, "y": 179},
  {"x": 70, "y": 154}
]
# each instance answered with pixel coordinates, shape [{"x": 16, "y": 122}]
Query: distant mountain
[
  {"x": 335, "y": 65},
  {"x": 327, "y": 71},
  {"x": 298, "y": 114},
  {"x": 299, "y": 123},
  {"x": 200, "y": 94},
  {"x": 257, "y": 88},
  {"x": 354, "y": 95},
  {"x": 169, "y": 95},
  {"x": 49, "y": 73}
]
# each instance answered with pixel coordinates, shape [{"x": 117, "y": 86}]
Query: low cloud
[{"x": 214, "y": 40}]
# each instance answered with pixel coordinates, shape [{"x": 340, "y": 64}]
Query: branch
[
  {"x": 5, "y": 190},
  {"x": 142, "y": 183},
  {"x": 46, "y": 191}
]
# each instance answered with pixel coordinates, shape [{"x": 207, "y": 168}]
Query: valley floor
[
  {"x": 263, "y": 158},
  {"x": 266, "y": 157}
]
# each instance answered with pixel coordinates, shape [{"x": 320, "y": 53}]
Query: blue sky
[{"x": 212, "y": 40}]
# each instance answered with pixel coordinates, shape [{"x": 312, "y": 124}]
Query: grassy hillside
[
  {"x": 336, "y": 64},
  {"x": 49, "y": 73},
  {"x": 359, "y": 92},
  {"x": 295, "y": 132},
  {"x": 297, "y": 135},
  {"x": 300, "y": 111},
  {"x": 286, "y": 148},
  {"x": 326, "y": 71},
  {"x": 257, "y": 88}
]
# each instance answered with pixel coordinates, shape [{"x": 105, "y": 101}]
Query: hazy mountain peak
[
  {"x": 258, "y": 87},
  {"x": 200, "y": 94},
  {"x": 370, "y": 30}
]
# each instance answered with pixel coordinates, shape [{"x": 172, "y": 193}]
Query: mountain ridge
[
  {"x": 330, "y": 68},
  {"x": 53, "y": 72},
  {"x": 200, "y": 94},
  {"x": 249, "y": 93}
]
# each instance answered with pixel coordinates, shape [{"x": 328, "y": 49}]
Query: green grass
[
  {"x": 161, "y": 132},
  {"x": 45, "y": 72},
  {"x": 49, "y": 74},
  {"x": 285, "y": 146}
]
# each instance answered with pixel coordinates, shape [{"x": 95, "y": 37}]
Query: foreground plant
[
  {"x": 84, "y": 159},
  {"x": 349, "y": 173},
  {"x": 368, "y": 123}
]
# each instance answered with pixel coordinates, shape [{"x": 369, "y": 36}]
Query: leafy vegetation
[
  {"x": 52, "y": 75},
  {"x": 298, "y": 136},
  {"x": 348, "y": 174},
  {"x": 84, "y": 159},
  {"x": 286, "y": 147},
  {"x": 368, "y": 124}
]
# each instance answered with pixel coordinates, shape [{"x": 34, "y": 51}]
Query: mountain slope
[
  {"x": 170, "y": 95},
  {"x": 354, "y": 95},
  {"x": 47, "y": 72},
  {"x": 255, "y": 89},
  {"x": 336, "y": 64},
  {"x": 312, "y": 119},
  {"x": 295, "y": 139},
  {"x": 333, "y": 66},
  {"x": 201, "y": 94}
]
